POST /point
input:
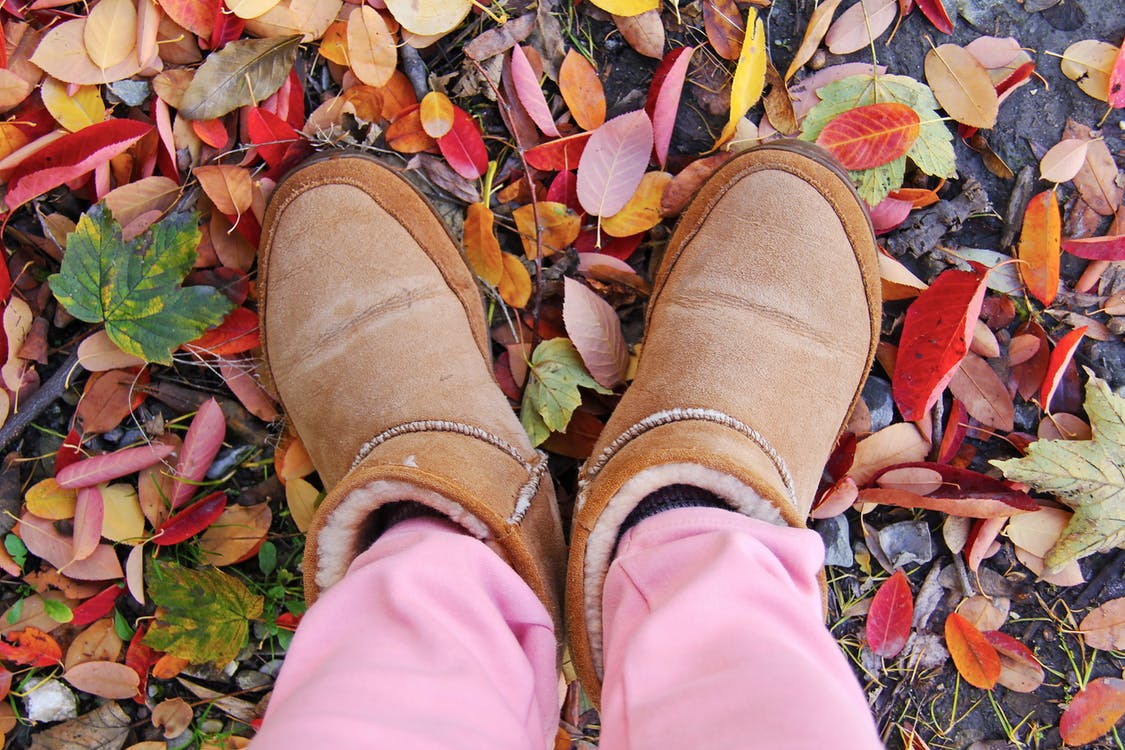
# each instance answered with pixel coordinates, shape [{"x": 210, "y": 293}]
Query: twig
[{"x": 39, "y": 401}]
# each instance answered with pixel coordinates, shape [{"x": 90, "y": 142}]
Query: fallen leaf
[
  {"x": 819, "y": 22},
  {"x": 201, "y": 444},
  {"x": 515, "y": 281},
  {"x": 235, "y": 535},
  {"x": 1061, "y": 356},
  {"x": 1104, "y": 627},
  {"x": 555, "y": 373},
  {"x": 1086, "y": 475},
  {"x": 229, "y": 188},
  {"x": 110, "y": 35},
  {"x": 934, "y": 11},
  {"x": 436, "y": 111},
  {"x": 301, "y": 498},
  {"x": 372, "y": 54},
  {"x": 890, "y": 617},
  {"x": 241, "y": 73},
  {"x": 977, "y": 386},
  {"x": 595, "y": 330},
  {"x": 663, "y": 100},
  {"x": 174, "y": 716},
  {"x": 557, "y": 228},
  {"x": 1062, "y": 161},
  {"x": 1097, "y": 248},
  {"x": 642, "y": 212},
  {"x": 526, "y": 83},
  {"x": 895, "y": 444},
  {"x": 98, "y": 642},
  {"x": 1089, "y": 63},
  {"x": 1093, "y": 711},
  {"x": 122, "y": 519},
  {"x": 582, "y": 91},
  {"x": 613, "y": 163},
  {"x": 76, "y": 110},
  {"x": 191, "y": 520},
  {"x": 106, "y": 727},
  {"x": 1019, "y": 669},
  {"x": 962, "y": 86},
  {"x": 859, "y": 25},
  {"x": 482, "y": 249},
  {"x": 644, "y": 32},
  {"x": 431, "y": 17},
  {"x": 463, "y": 146},
  {"x": 749, "y": 76},
  {"x": 871, "y": 136},
  {"x": 722, "y": 21},
  {"x": 105, "y": 679},
  {"x": 31, "y": 647},
  {"x": 975, "y": 658},
  {"x": 62, "y": 54}
]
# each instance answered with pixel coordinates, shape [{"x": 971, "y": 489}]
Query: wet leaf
[
  {"x": 1097, "y": 248},
  {"x": 241, "y": 73},
  {"x": 975, "y": 658},
  {"x": 203, "y": 614},
  {"x": 1086, "y": 475},
  {"x": 91, "y": 471},
  {"x": 201, "y": 444},
  {"x": 1093, "y": 711},
  {"x": 31, "y": 647},
  {"x": 145, "y": 310},
  {"x": 890, "y": 616}
]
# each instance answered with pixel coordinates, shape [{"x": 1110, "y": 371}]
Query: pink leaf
[
  {"x": 201, "y": 445},
  {"x": 889, "y": 213},
  {"x": 1097, "y": 248},
  {"x": 135, "y": 573},
  {"x": 664, "y": 98},
  {"x": 247, "y": 390},
  {"x": 595, "y": 329},
  {"x": 89, "y": 512},
  {"x": 98, "y": 469},
  {"x": 530, "y": 94},
  {"x": 613, "y": 163},
  {"x": 70, "y": 157},
  {"x": 1117, "y": 80},
  {"x": 42, "y": 540},
  {"x": 890, "y": 616}
]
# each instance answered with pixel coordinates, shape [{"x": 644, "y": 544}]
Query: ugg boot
[
  {"x": 376, "y": 344},
  {"x": 759, "y": 334}
]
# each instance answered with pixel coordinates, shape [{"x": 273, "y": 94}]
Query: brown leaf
[
  {"x": 962, "y": 86},
  {"x": 644, "y": 32},
  {"x": 105, "y": 679},
  {"x": 897, "y": 444},
  {"x": 235, "y": 535},
  {"x": 1104, "y": 627},
  {"x": 98, "y": 642},
  {"x": 985, "y": 397},
  {"x": 174, "y": 716},
  {"x": 104, "y": 728}
]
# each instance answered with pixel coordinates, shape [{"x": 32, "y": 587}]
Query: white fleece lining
[
  {"x": 337, "y": 540},
  {"x": 603, "y": 538}
]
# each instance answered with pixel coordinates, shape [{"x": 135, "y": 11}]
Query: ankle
[{"x": 669, "y": 497}]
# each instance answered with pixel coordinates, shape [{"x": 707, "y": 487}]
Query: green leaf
[
  {"x": 205, "y": 612},
  {"x": 134, "y": 287},
  {"x": 932, "y": 152},
  {"x": 1086, "y": 475},
  {"x": 122, "y": 627},
  {"x": 57, "y": 611},
  {"x": 241, "y": 73},
  {"x": 267, "y": 557},
  {"x": 15, "y": 547},
  {"x": 555, "y": 374}
]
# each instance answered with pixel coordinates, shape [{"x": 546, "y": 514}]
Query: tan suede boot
[
  {"x": 376, "y": 343},
  {"x": 760, "y": 331}
]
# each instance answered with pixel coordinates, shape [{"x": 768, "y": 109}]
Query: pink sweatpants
[{"x": 713, "y": 638}]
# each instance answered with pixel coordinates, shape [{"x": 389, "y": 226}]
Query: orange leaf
[
  {"x": 1040, "y": 240},
  {"x": 406, "y": 134},
  {"x": 515, "y": 283},
  {"x": 31, "y": 646},
  {"x": 334, "y": 43},
  {"x": 398, "y": 94},
  {"x": 871, "y": 136},
  {"x": 1094, "y": 711},
  {"x": 168, "y": 666},
  {"x": 975, "y": 658},
  {"x": 723, "y": 22},
  {"x": 236, "y": 334},
  {"x": 437, "y": 114},
  {"x": 582, "y": 91},
  {"x": 558, "y": 227},
  {"x": 371, "y": 49},
  {"x": 228, "y": 187},
  {"x": 481, "y": 246},
  {"x": 642, "y": 212}
]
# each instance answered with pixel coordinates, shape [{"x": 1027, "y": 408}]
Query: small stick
[{"x": 31, "y": 409}]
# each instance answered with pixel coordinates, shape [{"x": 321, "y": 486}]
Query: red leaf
[
  {"x": 621, "y": 248},
  {"x": 530, "y": 94},
  {"x": 201, "y": 444},
  {"x": 559, "y": 155},
  {"x": 889, "y": 213},
  {"x": 140, "y": 659},
  {"x": 463, "y": 146},
  {"x": 70, "y": 157},
  {"x": 31, "y": 646},
  {"x": 1018, "y": 76},
  {"x": 935, "y": 339},
  {"x": 69, "y": 452},
  {"x": 97, "y": 606},
  {"x": 975, "y": 658},
  {"x": 956, "y": 429},
  {"x": 871, "y": 136},
  {"x": 1019, "y": 669},
  {"x": 968, "y": 484},
  {"x": 1093, "y": 711},
  {"x": 227, "y": 26},
  {"x": 613, "y": 163},
  {"x": 271, "y": 135},
  {"x": 197, "y": 16},
  {"x": 1097, "y": 248},
  {"x": 966, "y": 507},
  {"x": 1117, "y": 80},
  {"x": 212, "y": 132},
  {"x": 236, "y": 334},
  {"x": 890, "y": 616},
  {"x": 91, "y": 471},
  {"x": 564, "y": 190},
  {"x": 664, "y": 97},
  {"x": 1056, "y": 366},
  {"x": 191, "y": 520},
  {"x": 935, "y": 11}
]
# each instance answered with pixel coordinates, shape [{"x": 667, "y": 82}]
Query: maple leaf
[
  {"x": 932, "y": 152},
  {"x": 555, "y": 374},
  {"x": 1087, "y": 475},
  {"x": 134, "y": 287},
  {"x": 205, "y": 612}
]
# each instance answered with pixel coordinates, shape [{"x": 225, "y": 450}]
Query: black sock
[
  {"x": 669, "y": 497},
  {"x": 390, "y": 514}
]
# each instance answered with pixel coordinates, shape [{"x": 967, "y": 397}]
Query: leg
[
  {"x": 714, "y": 638},
  {"x": 430, "y": 641}
]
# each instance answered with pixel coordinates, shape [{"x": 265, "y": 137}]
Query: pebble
[
  {"x": 877, "y": 396},
  {"x": 248, "y": 679},
  {"x": 907, "y": 543},
  {"x": 837, "y": 541}
]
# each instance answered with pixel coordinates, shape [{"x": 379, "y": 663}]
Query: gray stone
[
  {"x": 248, "y": 679},
  {"x": 877, "y": 396},
  {"x": 133, "y": 93},
  {"x": 906, "y": 543},
  {"x": 50, "y": 700},
  {"x": 837, "y": 541}
]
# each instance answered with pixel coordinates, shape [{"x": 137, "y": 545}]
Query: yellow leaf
[
  {"x": 430, "y": 17},
  {"x": 819, "y": 22},
  {"x": 250, "y": 8},
  {"x": 301, "y": 498},
  {"x": 481, "y": 246},
  {"x": 642, "y": 212},
  {"x": 962, "y": 86},
  {"x": 123, "y": 519},
  {"x": 62, "y": 54},
  {"x": 111, "y": 32},
  {"x": 749, "y": 76},
  {"x": 515, "y": 283},
  {"x": 11, "y": 139},
  {"x": 437, "y": 114},
  {"x": 558, "y": 227},
  {"x": 1089, "y": 63},
  {"x": 47, "y": 500},
  {"x": 74, "y": 112},
  {"x": 626, "y": 7},
  {"x": 334, "y": 43},
  {"x": 371, "y": 49}
]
